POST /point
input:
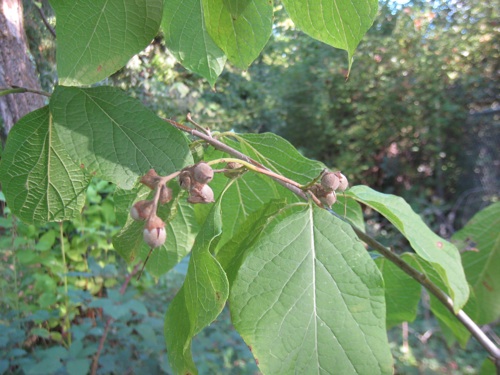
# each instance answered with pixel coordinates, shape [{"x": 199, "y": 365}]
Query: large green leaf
[
  {"x": 235, "y": 250},
  {"x": 241, "y": 28},
  {"x": 201, "y": 298},
  {"x": 402, "y": 293},
  {"x": 480, "y": 242},
  {"x": 187, "y": 38},
  {"x": 114, "y": 136},
  {"x": 309, "y": 299},
  {"x": 96, "y": 38},
  {"x": 181, "y": 232},
  {"x": 341, "y": 23},
  {"x": 442, "y": 255},
  {"x": 40, "y": 181}
]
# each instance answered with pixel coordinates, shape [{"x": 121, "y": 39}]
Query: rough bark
[{"x": 16, "y": 67}]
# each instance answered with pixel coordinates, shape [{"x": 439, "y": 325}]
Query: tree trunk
[{"x": 16, "y": 67}]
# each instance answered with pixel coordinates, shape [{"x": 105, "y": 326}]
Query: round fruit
[
  {"x": 330, "y": 181},
  {"x": 141, "y": 210},
  {"x": 344, "y": 184},
  {"x": 329, "y": 199},
  {"x": 201, "y": 193},
  {"x": 154, "y": 232},
  {"x": 203, "y": 173}
]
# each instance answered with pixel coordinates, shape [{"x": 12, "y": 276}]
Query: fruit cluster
[
  {"x": 331, "y": 182},
  {"x": 194, "y": 179}
]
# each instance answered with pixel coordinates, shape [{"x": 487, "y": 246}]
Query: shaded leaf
[
  {"x": 241, "y": 28},
  {"x": 114, "y": 136},
  {"x": 441, "y": 255},
  {"x": 341, "y": 24},
  {"x": 96, "y": 38},
  {"x": 187, "y": 38},
  {"x": 448, "y": 322},
  {"x": 479, "y": 241},
  {"x": 200, "y": 299},
  {"x": 402, "y": 293},
  {"x": 308, "y": 298},
  {"x": 40, "y": 181}
]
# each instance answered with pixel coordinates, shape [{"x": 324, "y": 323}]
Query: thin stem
[
  {"x": 256, "y": 169},
  {"x": 20, "y": 90},
  {"x": 44, "y": 19},
  {"x": 65, "y": 278},
  {"x": 198, "y": 126}
]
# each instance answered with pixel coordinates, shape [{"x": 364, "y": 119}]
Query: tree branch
[
  {"x": 421, "y": 278},
  {"x": 20, "y": 90}
]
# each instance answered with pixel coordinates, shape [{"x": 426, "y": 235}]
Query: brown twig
[{"x": 231, "y": 151}]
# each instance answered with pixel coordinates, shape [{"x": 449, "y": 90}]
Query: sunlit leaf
[
  {"x": 341, "y": 23},
  {"x": 115, "y": 137},
  {"x": 241, "y": 28},
  {"x": 40, "y": 181},
  {"x": 187, "y": 38},
  {"x": 96, "y": 38}
]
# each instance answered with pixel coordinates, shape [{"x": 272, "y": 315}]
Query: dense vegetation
[{"x": 416, "y": 118}]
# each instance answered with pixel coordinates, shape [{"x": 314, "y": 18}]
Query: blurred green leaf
[
  {"x": 441, "y": 255},
  {"x": 46, "y": 241},
  {"x": 308, "y": 297},
  {"x": 115, "y": 137},
  {"x": 187, "y": 38},
  {"x": 39, "y": 179},
  {"x": 95, "y": 39},
  {"x": 479, "y": 241},
  {"x": 241, "y": 28}
]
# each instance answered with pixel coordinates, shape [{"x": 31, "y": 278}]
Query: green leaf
[
  {"x": 188, "y": 40},
  {"x": 348, "y": 207},
  {"x": 115, "y": 137},
  {"x": 241, "y": 28},
  {"x": 234, "y": 251},
  {"x": 277, "y": 154},
  {"x": 341, "y": 24},
  {"x": 442, "y": 255},
  {"x": 39, "y": 179},
  {"x": 402, "y": 293},
  {"x": 480, "y": 242},
  {"x": 309, "y": 299},
  {"x": 46, "y": 241},
  {"x": 200, "y": 299},
  {"x": 96, "y": 38},
  {"x": 181, "y": 231}
]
